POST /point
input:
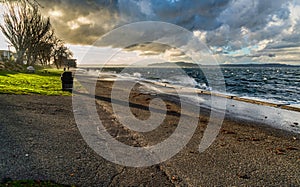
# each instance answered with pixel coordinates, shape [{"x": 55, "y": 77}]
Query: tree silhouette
[
  {"x": 26, "y": 29},
  {"x": 31, "y": 34},
  {"x": 60, "y": 53}
]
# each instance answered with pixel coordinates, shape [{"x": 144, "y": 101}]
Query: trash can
[{"x": 67, "y": 81}]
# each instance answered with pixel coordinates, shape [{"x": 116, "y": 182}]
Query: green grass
[{"x": 43, "y": 82}]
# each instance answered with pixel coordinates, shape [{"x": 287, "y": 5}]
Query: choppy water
[{"x": 276, "y": 84}]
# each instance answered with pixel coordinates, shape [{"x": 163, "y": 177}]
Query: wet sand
[{"x": 244, "y": 153}]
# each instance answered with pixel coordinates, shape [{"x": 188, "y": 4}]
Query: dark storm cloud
[
  {"x": 225, "y": 25},
  {"x": 193, "y": 14},
  {"x": 104, "y": 15},
  {"x": 81, "y": 22}
]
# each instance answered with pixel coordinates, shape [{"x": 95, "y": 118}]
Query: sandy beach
[
  {"x": 244, "y": 153},
  {"x": 41, "y": 141}
]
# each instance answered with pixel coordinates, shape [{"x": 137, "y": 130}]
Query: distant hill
[
  {"x": 171, "y": 64},
  {"x": 258, "y": 65},
  {"x": 191, "y": 65}
]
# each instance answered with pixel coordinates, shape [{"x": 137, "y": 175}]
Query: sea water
[{"x": 273, "y": 84}]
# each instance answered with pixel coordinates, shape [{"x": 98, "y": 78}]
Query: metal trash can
[{"x": 67, "y": 81}]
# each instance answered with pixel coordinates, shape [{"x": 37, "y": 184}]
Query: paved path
[{"x": 40, "y": 140}]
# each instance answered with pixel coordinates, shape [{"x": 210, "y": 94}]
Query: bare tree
[
  {"x": 26, "y": 29},
  {"x": 31, "y": 34}
]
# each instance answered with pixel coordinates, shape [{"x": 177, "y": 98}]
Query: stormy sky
[{"x": 236, "y": 31}]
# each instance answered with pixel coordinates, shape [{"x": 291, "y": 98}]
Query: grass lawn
[{"x": 43, "y": 82}]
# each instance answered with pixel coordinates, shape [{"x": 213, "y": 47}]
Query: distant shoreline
[
  {"x": 189, "y": 65},
  {"x": 236, "y": 106}
]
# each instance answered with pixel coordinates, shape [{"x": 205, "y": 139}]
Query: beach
[
  {"x": 149, "y": 93},
  {"x": 244, "y": 153},
  {"x": 41, "y": 141}
]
